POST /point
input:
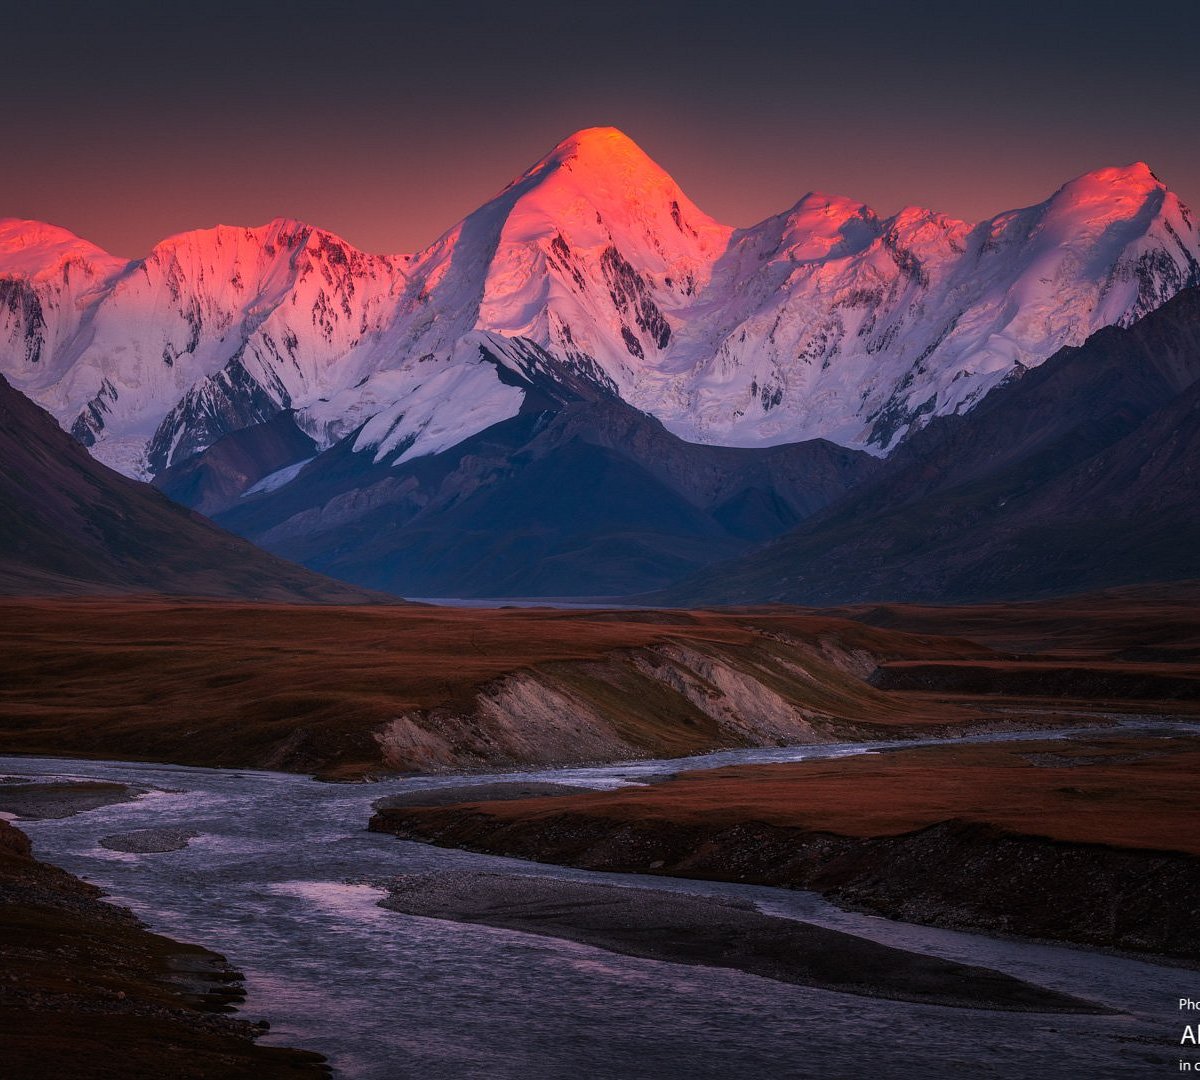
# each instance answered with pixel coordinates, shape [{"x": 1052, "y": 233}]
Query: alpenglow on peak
[{"x": 593, "y": 267}]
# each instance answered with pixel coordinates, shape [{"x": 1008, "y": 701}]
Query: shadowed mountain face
[
  {"x": 575, "y": 497},
  {"x": 72, "y": 526},
  {"x": 214, "y": 479},
  {"x": 1082, "y": 474}
]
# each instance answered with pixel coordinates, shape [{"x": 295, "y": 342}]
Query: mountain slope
[
  {"x": 1082, "y": 474},
  {"x": 826, "y": 321},
  {"x": 214, "y": 478},
  {"x": 72, "y": 526},
  {"x": 583, "y": 496}
]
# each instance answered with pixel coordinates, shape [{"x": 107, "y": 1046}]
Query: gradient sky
[{"x": 127, "y": 122}]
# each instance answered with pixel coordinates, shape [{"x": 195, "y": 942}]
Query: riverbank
[
  {"x": 349, "y": 693},
  {"x": 278, "y": 879},
  {"x": 88, "y": 993},
  {"x": 1092, "y": 840}
]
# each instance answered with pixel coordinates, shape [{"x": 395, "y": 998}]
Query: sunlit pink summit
[{"x": 826, "y": 320}]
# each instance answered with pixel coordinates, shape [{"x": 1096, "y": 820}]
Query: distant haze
[{"x": 127, "y": 122}]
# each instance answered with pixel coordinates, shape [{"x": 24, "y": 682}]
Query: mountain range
[
  {"x": 587, "y": 386},
  {"x": 1082, "y": 475}
]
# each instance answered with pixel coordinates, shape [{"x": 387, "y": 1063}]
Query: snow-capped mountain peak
[
  {"x": 1111, "y": 191},
  {"x": 822, "y": 226},
  {"x": 32, "y": 248},
  {"x": 826, "y": 320},
  {"x": 49, "y": 278},
  {"x": 213, "y": 329},
  {"x": 923, "y": 314},
  {"x": 589, "y": 253},
  {"x": 601, "y": 187}
]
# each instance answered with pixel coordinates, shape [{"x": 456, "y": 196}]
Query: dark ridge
[
  {"x": 214, "y": 479},
  {"x": 580, "y": 497},
  {"x": 72, "y": 526}
]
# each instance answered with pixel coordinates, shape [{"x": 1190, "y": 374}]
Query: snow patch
[{"x": 274, "y": 481}]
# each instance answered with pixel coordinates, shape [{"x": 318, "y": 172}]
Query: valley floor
[
  {"x": 1087, "y": 837},
  {"x": 350, "y": 692},
  {"x": 399, "y": 959}
]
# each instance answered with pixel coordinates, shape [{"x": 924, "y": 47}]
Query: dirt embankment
[
  {"x": 1091, "y": 842},
  {"x": 659, "y": 699},
  {"x": 351, "y": 691},
  {"x": 87, "y": 992},
  {"x": 347, "y": 691}
]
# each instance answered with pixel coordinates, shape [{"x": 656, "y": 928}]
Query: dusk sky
[{"x": 127, "y": 122}]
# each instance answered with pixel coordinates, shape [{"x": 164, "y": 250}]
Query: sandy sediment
[
  {"x": 687, "y": 929},
  {"x": 62, "y": 799},
  {"x": 148, "y": 841}
]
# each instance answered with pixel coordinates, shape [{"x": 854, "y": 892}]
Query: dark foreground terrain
[
  {"x": 1091, "y": 840},
  {"x": 88, "y": 993}
]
